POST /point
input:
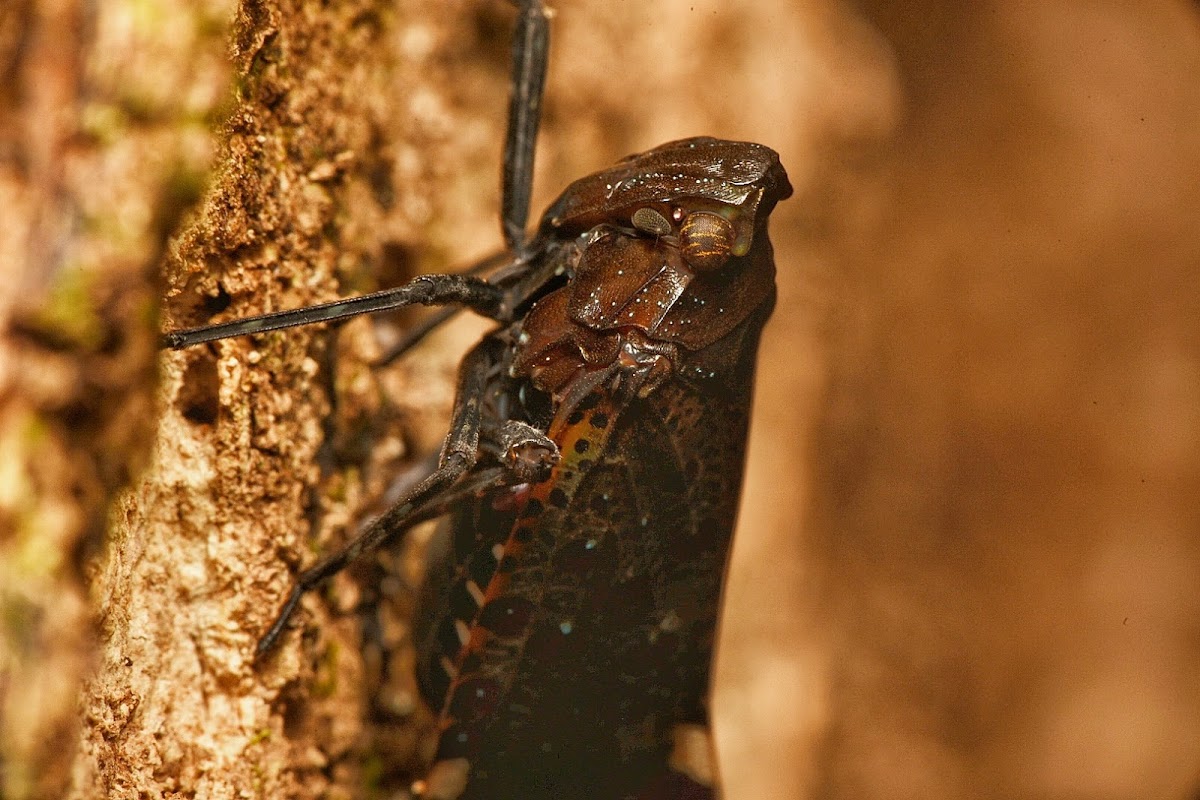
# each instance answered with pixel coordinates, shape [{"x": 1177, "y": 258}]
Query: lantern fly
[{"x": 592, "y": 471}]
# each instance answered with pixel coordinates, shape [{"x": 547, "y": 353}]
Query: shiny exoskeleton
[
  {"x": 575, "y": 619},
  {"x": 592, "y": 470}
]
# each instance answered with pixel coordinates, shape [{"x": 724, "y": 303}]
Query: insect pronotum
[{"x": 592, "y": 470}]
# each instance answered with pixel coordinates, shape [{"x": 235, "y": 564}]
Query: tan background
[{"x": 969, "y": 554}]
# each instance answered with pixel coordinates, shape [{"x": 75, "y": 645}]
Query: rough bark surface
[{"x": 327, "y": 177}]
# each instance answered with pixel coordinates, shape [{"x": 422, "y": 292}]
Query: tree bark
[{"x": 343, "y": 123}]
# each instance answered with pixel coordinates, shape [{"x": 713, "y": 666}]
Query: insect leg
[
  {"x": 459, "y": 454},
  {"x": 414, "y": 335},
  {"x": 476, "y": 294},
  {"x": 531, "y": 50}
]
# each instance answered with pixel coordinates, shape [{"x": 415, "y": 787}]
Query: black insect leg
[
  {"x": 531, "y": 50},
  {"x": 418, "y": 332},
  {"x": 459, "y": 455},
  {"x": 474, "y": 293}
]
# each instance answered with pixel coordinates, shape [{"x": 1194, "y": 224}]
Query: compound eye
[
  {"x": 707, "y": 240},
  {"x": 647, "y": 220}
]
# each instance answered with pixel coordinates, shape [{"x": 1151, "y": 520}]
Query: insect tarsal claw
[{"x": 528, "y": 452}]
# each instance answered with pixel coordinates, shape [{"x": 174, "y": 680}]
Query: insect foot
[{"x": 527, "y": 452}]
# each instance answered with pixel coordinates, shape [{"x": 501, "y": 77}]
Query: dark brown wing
[{"x": 618, "y": 592}]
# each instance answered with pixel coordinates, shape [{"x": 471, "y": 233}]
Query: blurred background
[{"x": 968, "y": 561}]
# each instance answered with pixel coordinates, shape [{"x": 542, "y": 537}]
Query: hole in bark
[
  {"x": 295, "y": 713},
  {"x": 198, "y": 397},
  {"x": 218, "y": 303}
]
